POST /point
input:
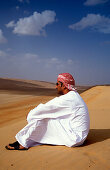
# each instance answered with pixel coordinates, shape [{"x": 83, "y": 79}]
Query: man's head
[{"x": 65, "y": 83}]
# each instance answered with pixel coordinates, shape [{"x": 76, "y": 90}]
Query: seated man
[{"x": 62, "y": 121}]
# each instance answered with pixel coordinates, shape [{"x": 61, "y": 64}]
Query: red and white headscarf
[{"x": 68, "y": 80}]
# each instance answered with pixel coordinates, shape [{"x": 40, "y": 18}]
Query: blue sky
[{"x": 40, "y": 39}]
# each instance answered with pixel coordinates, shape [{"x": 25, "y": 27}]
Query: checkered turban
[{"x": 68, "y": 80}]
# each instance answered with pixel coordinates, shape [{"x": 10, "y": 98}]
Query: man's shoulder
[{"x": 69, "y": 96}]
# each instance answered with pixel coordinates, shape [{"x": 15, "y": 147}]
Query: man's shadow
[{"x": 97, "y": 135}]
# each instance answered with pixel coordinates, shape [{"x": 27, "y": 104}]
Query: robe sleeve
[{"x": 55, "y": 108}]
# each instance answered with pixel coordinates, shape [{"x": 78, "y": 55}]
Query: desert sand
[{"x": 17, "y": 99}]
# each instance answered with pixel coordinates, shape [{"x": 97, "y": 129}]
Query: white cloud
[
  {"x": 57, "y": 64},
  {"x": 2, "y": 38},
  {"x": 54, "y": 60},
  {"x": 94, "y": 2},
  {"x": 50, "y": 62},
  {"x": 34, "y": 24},
  {"x": 10, "y": 24},
  {"x": 30, "y": 56},
  {"x": 69, "y": 61},
  {"x": 93, "y": 21}
]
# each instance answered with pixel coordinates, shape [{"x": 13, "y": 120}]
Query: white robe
[{"x": 63, "y": 120}]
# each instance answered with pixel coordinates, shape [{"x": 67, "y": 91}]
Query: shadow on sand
[{"x": 97, "y": 135}]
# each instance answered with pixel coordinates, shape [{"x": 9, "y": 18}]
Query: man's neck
[{"x": 65, "y": 91}]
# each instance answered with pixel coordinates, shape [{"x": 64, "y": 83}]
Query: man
[{"x": 62, "y": 121}]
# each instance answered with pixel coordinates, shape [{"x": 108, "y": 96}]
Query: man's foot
[{"x": 15, "y": 146}]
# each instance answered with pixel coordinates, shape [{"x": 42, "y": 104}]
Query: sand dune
[{"x": 94, "y": 154}]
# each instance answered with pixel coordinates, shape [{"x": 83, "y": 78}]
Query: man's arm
[{"x": 52, "y": 109}]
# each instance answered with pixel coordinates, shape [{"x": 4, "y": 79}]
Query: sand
[{"x": 94, "y": 154}]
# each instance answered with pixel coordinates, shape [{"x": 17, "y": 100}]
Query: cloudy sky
[{"x": 41, "y": 38}]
